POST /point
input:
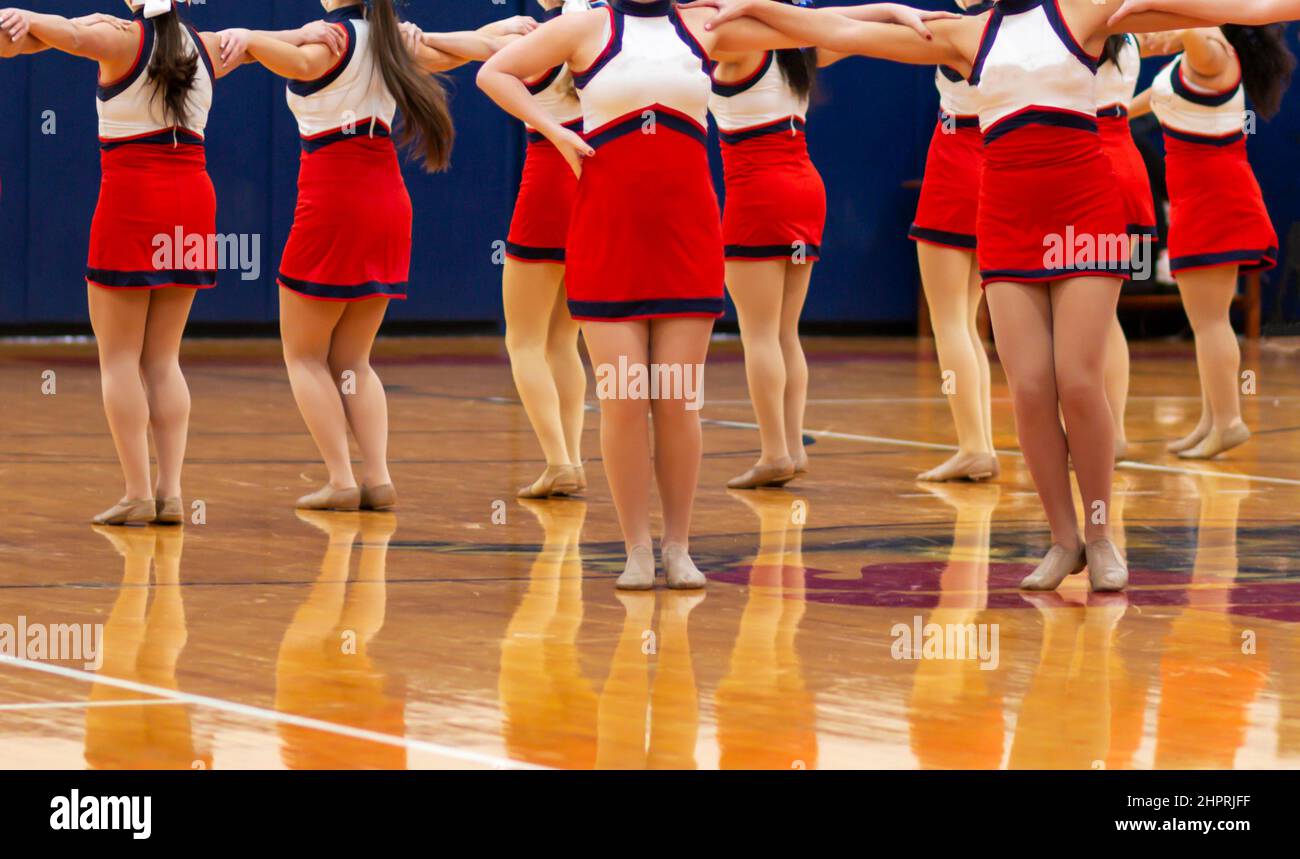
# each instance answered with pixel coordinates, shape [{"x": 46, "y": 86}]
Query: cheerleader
[
  {"x": 645, "y": 288},
  {"x": 349, "y": 250},
  {"x": 944, "y": 232},
  {"x": 1046, "y": 184},
  {"x": 1117, "y": 78},
  {"x": 772, "y": 232},
  {"x": 155, "y": 88},
  {"x": 541, "y": 335},
  {"x": 1219, "y": 225}
]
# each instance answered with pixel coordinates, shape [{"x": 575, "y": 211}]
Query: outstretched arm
[
  {"x": 825, "y": 28},
  {"x": 1213, "y": 11},
  {"x": 87, "y": 37},
  {"x": 28, "y": 44},
  {"x": 305, "y": 63},
  {"x": 442, "y": 52}
]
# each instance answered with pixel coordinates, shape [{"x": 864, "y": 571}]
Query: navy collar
[
  {"x": 1015, "y": 7},
  {"x": 653, "y": 9},
  {"x": 346, "y": 13},
  {"x": 551, "y": 14}
]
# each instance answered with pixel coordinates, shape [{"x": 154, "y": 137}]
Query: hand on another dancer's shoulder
[
  {"x": 100, "y": 18},
  {"x": 916, "y": 18},
  {"x": 15, "y": 23},
  {"x": 728, "y": 10},
  {"x": 572, "y": 147},
  {"x": 412, "y": 35},
  {"x": 234, "y": 44},
  {"x": 518, "y": 25},
  {"x": 324, "y": 33}
]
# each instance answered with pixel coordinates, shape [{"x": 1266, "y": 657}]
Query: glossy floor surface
[{"x": 855, "y": 619}]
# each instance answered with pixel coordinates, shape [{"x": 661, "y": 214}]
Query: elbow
[{"x": 483, "y": 78}]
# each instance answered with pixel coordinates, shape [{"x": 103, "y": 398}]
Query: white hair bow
[
  {"x": 576, "y": 5},
  {"x": 153, "y": 8}
]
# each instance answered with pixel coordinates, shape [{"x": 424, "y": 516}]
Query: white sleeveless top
[
  {"x": 1117, "y": 80},
  {"x": 1186, "y": 109},
  {"x": 1030, "y": 64},
  {"x": 129, "y": 108},
  {"x": 351, "y": 97},
  {"x": 650, "y": 58},
  {"x": 762, "y": 101},
  {"x": 957, "y": 97}
]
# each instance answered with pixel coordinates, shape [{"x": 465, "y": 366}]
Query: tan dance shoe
[
  {"x": 778, "y": 473},
  {"x": 1107, "y": 570},
  {"x": 680, "y": 570},
  {"x": 1215, "y": 443},
  {"x": 964, "y": 466},
  {"x": 329, "y": 498},
  {"x": 378, "y": 497},
  {"x": 555, "y": 480},
  {"x": 639, "y": 571},
  {"x": 138, "y": 511},
  {"x": 171, "y": 511},
  {"x": 1059, "y": 563}
]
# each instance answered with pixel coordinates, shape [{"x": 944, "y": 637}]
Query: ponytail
[
  {"x": 1266, "y": 64},
  {"x": 426, "y": 120},
  {"x": 798, "y": 65},
  {"x": 1113, "y": 48},
  {"x": 173, "y": 67}
]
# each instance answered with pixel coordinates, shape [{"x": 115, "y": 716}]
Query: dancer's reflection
[
  {"x": 324, "y": 670},
  {"x": 766, "y": 716},
  {"x": 142, "y": 643},
  {"x": 1212, "y": 666},
  {"x": 628, "y": 701},
  {"x": 955, "y": 711},
  {"x": 549, "y": 707}
]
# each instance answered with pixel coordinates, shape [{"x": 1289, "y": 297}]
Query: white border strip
[
  {"x": 265, "y": 715},
  {"x": 83, "y": 705}
]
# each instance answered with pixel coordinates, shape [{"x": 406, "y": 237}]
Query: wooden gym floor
[{"x": 443, "y": 637}]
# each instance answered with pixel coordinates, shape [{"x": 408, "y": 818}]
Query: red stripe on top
[{"x": 608, "y": 45}]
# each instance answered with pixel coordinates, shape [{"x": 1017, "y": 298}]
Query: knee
[
  {"x": 160, "y": 370},
  {"x": 1033, "y": 392},
  {"x": 624, "y": 415},
  {"x": 522, "y": 340},
  {"x": 1080, "y": 387}
]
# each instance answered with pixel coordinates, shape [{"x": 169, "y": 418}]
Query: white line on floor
[
  {"x": 265, "y": 715},
  {"x": 84, "y": 705},
  {"x": 1136, "y": 466}
]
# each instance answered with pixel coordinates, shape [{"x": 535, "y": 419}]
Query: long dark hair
[
  {"x": 1114, "y": 46},
  {"x": 1266, "y": 64},
  {"x": 426, "y": 121},
  {"x": 173, "y": 67},
  {"x": 798, "y": 65}
]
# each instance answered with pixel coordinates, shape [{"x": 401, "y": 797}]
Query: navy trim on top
[
  {"x": 612, "y": 49},
  {"x": 305, "y": 88},
  {"x": 790, "y": 126},
  {"x": 356, "y": 12},
  {"x": 551, "y": 14},
  {"x": 635, "y": 122},
  {"x": 343, "y": 292},
  {"x": 202, "y": 49},
  {"x": 684, "y": 33},
  {"x": 1203, "y": 139},
  {"x": 734, "y": 88},
  {"x": 656, "y": 9},
  {"x": 361, "y": 131},
  {"x": 104, "y": 93},
  {"x": 991, "y": 28},
  {"x": 544, "y": 81},
  {"x": 169, "y": 138},
  {"x": 649, "y": 307},
  {"x": 951, "y": 74},
  {"x": 1052, "y": 10},
  {"x": 1025, "y": 118},
  {"x": 1182, "y": 90}
]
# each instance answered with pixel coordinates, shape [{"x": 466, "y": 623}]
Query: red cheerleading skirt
[
  {"x": 351, "y": 235},
  {"x": 1047, "y": 206},
  {"x": 946, "y": 213},
  {"x": 540, "y": 226},
  {"x": 776, "y": 200},
  {"x": 152, "y": 193},
  {"x": 1131, "y": 171},
  {"x": 1217, "y": 212},
  {"x": 645, "y": 240}
]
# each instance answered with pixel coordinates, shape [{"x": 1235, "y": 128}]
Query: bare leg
[
  {"x": 1082, "y": 311},
  {"x": 119, "y": 319},
  {"x": 365, "y": 404},
  {"x": 306, "y": 328},
  {"x": 1022, "y": 322},
  {"x": 1207, "y": 298},
  {"x": 529, "y": 292},
  {"x": 570, "y": 376},
  {"x": 169, "y": 396},
  {"x": 624, "y": 424},
  {"x": 1117, "y": 382},
  {"x": 797, "y": 278},
  {"x": 758, "y": 289},
  {"x": 976, "y": 293},
  {"x": 946, "y": 275},
  {"x": 679, "y": 443}
]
